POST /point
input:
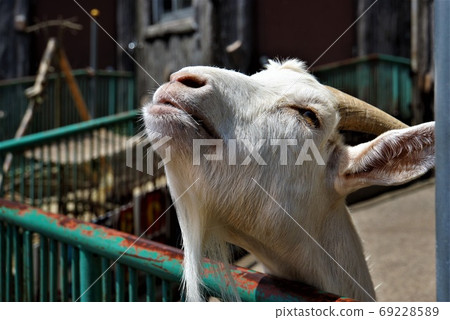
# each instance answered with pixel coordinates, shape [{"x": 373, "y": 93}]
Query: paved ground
[{"x": 398, "y": 233}]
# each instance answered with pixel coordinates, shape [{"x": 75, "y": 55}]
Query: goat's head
[{"x": 277, "y": 156}]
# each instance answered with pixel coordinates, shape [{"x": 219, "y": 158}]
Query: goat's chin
[{"x": 175, "y": 124}]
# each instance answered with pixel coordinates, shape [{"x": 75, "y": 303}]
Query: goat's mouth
[{"x": 201, "y": 122}]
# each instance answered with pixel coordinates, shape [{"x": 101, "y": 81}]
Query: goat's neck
[
  {"x": 315, "y": 249},
  {"x": 317, "y": 256}
]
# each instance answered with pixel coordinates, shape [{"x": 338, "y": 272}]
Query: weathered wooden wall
[
  {"x": 160, "y": 56},
  {"x": 219, "y": 24},
  {"x": 234, "y": 45},
  {"x": 385, "y": 28}
]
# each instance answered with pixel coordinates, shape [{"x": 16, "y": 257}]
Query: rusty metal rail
[{"x": 50, "y": 257}]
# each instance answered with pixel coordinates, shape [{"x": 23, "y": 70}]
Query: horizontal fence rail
[
  {"x": 51, "y": 257},
  {"x": 115, "y": 93}
]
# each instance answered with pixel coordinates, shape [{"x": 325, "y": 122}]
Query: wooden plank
[
  {"x": 73, "y": 86},
  {"x": 44, "y": 66}
]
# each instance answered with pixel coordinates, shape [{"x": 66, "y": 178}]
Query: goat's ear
[{"x": 395, "y": 157}]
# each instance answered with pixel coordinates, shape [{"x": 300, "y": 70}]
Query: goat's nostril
[{"x": 191, "y": 81}]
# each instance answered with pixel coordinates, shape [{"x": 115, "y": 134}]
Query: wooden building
[
  {"x": 238, "y": 34},
  {"x": 243, "y": 34},
  {"x": 21, "y": 51},
  {"x": 166, "y": 35}
]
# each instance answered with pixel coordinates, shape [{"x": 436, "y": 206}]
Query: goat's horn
[{"x": 359, "y": 116}]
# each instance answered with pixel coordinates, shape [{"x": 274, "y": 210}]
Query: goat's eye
[{"x": 310, "y": 117}]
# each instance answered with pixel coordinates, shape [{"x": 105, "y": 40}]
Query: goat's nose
[{"x": 188, "y": 79}]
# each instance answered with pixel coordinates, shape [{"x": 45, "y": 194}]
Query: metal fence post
[
  {"x": 442, "y": 114},
  {"x": 89, "y": 271}
]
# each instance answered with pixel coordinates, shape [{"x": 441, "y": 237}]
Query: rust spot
[
  {"x": 266, "y": 286},
  {"x": 248, "y": 280},
  {"x": 126, "y": 243},
  {"x": 13, "y": 205},
  {"x": 144, "y": 258},
  {"x": 345, "y": 300},
  {"x": 263, "y": 286},
  {"x": 68, "y": 223},
  {"x": 21, "y": 208},
  {"x": 142, "y": 244},
  {"x": 88, "y": 233}
]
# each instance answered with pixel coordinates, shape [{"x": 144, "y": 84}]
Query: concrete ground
[{"x": 398, "y": 234}]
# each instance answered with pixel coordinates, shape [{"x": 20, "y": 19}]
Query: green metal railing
[
  {"x": 115, "y": 93},
  {"x": 50, "y": 257},
  {"x": 78, "y": 169},
  {"x": 381, "y": 80}
]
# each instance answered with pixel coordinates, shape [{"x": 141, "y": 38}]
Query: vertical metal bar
[
  {"x": 132, "y": 285},
  {"x": 106, "y": 281},
  {"x": 112, "y": 96},
  {"x": 63, "y": 281},
  {"x": 109, "y": 169},
  {"x": 120, "y": 283},
  {"x": 12, "y": 171},
  {"x": 121, "y": 170},
  {"x": 98, "y": 145},
  {"x": 114, "y": 134},
  {"x": 165, "y": 290},
  {"x": 49, "y": 176},
  {"x": 43, "y": 270},
  {"x": 92, "y": 140},
  {"x": 28, "y": 266},
  {"x": 96, "y": 272},
  {"x": 2, "y": 262},
  {"x": 130, "y": 95},
  {"x": 53, "y": 286},
  {"x": 85, "y": 276},
  {"x": 87, "y": 160},
  {"x": 32, "y": 179},
  {"x": 41, "y": 178},
  {"x": 57, "y": 99},
  {"x": 18, "y": 265},
  {"x": 442, "y": 98},
  {"x": 75, "y": 273},
  {"x": 88, "y": 289},
  {"x": 8, "y": 263},
  {"x": 149, "y": 288},
  {"x": 58, "y": 176},
  {"x": 75, "y": 173},
  {"x": 22, "y": 178},
  {"x": 65, "y": 177}
]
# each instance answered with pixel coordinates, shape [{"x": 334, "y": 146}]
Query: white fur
[{"x": 225, "y": 205}]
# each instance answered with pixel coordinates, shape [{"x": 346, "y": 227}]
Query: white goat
[{"x": 253, "y": 205}]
